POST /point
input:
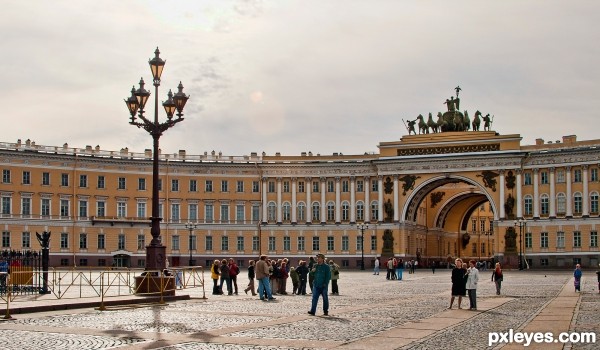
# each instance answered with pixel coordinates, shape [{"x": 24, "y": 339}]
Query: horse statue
[
  {"x": 431, "y": 124},
  {"x": 458, "y": 121},
  {"x": 440, "y": 122},
  {"x": 476, "y": 121},
  {"x": 466, "y": 122},
  {"x": 422, "y": 125},
  {"x": 487, "y": 123}
]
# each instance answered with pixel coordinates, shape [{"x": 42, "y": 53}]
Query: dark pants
[
  {"x": 334, "y": 287},
  {"x": 302, "y": 288},
  {"x": 234, "y": 282},
  {"x": 228, "y": 281},
  {"x": 216, "y": 288},
  {"x": 317, "y": 292}
]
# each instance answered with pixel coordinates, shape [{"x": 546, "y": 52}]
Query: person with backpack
[{"x": 497, "y": 278}]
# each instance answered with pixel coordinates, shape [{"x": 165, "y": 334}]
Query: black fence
[{"x": 24, "y": 268}]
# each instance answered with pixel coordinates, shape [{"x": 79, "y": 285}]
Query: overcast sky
[{"x": 296, "y": 75}]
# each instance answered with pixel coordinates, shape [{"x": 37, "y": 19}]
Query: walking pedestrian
[
  {"x": 497, "y": 277},
  {"x": 598, "y": 274},
  {"x": 251, "y": 276},
  {"x": 458, "y": 283},
  {"x": 320, "y": 285},
  {"x": 472, "y": 279},
  {"x": 262, "y": 276},
  {"x": 577, "y": 274}
]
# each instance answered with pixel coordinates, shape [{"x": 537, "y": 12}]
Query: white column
[
  {"x": 396, "y": 209},
  {"x": 308, "y": 199},
  {"x": 380, "y": 198},
  {"x": 502, "y": 199},
  {"x": 279, "y": 204},
  {"x": 367, "y": 199},
  {"x": 294, "y": 219},
  {"x": 552, "y": 199},
  {"x": 323, "y": 203},
  {"x": 264, "y": 199},
  {"x": 569, "y": 194},
  {"x": 536, "y": 194},
  {"x": 519, "y": 194},
  {"x": 352, "y": 200},
  {"x": 338, "y": 214},
  {"x": 585, "y": 195}
]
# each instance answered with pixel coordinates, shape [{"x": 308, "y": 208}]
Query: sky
[{"x": 295, "y": 76}]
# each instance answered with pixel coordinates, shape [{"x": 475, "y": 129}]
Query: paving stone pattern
[{"x": 367, "y": 307}]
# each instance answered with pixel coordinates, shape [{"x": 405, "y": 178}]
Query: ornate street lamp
[
  {"x": 362, "y": 227},
  {"x": 191, "y": 227},
  {"x": 156, "y": 251},
  {"x": 522, "y": 223}
]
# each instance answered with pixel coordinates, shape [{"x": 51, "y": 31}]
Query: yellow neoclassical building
[{"x": 428, "y": 197}]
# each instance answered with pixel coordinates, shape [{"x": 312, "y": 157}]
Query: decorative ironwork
[{"x": 448, "y": 149}]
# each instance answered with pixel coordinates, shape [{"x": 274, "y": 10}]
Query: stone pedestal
[{"x": 150, "y": 285}]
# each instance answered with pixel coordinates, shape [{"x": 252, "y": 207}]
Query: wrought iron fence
[{"x": 24, "y": 266}]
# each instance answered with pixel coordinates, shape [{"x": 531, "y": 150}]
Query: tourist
[
  {"x": 497, "y": 277},
  {"x": 320, "y": 285},
  {"x": 282, "y": 277},
  {"x": 335, "y": 275},
  {"x": 225, "y": 277},
  {"x": 295, "y": 280},
  {"x": 215, "y": 272},
  {"x": 303, "y": 275},
  {"x": 234, "y": 270},
  {"x": 251, "y": 275},
  {"x": 399, "y": 269},
  {"x": 472, "y": 279},
  {"x": 311, "y": 273},
  {"x": 577, "y": 275},
  {"x": 376, "y": 268},
  {"x": 458, "y": 283},
  {"x": 262, "y": 276}
]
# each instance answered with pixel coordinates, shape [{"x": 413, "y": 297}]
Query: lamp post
[
  {"x": 191, "y": 227},
  {"x": 522, "y": 226},
  {"x": 362, "y": 227},
  {"x": 156, "y": 251}
]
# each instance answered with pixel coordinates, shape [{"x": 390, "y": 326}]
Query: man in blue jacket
[{"x": 320, "y": 285}]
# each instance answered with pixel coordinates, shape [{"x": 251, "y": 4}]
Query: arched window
[
  {"x": 316, "y": 212},
  {"x": 594, "y": 202},
  {"x": 544, "y": 204},
  {"x": 360, "y": 211},
  {"x": 271, "y": 212},
  {"x": 330, "y": 211},
  {"x": 301, "y": 212},
  {"x": 577, "y": 203},
  {"x": 374, "y": 210},
  {"x": 345, "y": 211},
  {"x": 287, "y": 211},
  {"x": 561, "y": 204},
  {"x": 528, "y": 205}
]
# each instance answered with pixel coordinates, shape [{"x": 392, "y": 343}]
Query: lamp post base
[{"x": 155, "y": 257}]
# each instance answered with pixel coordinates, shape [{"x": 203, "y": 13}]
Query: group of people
[
  {"x": 395, "y": 267},
  {"x": 272, "y": 275},
  {"x": 465, "y": 279}
]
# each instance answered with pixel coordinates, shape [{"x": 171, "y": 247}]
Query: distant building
[{"x": 430, "y": 197}]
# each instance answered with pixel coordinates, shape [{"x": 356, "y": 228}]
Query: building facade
[{"x": 430, "y": 197}]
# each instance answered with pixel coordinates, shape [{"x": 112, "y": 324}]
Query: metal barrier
[
  {"x": 103, "y": 283},
  {"x": 23, "y": 265}
]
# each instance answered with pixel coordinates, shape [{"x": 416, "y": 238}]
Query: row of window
[
  {"x": 561, "y": 203},
  {"x": 122, "y": 182},
  {"x": 560, "y": 176},
  {"x": 285, "y": 243},
  {"x": 560, "y": 239},
  {"x": 271, "y": 185}
]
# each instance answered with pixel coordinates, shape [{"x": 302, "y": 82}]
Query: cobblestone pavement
[{"x": 370, "y": 312}]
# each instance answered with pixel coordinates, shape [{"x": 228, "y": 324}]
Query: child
[{"x": 577, "y": 274}]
